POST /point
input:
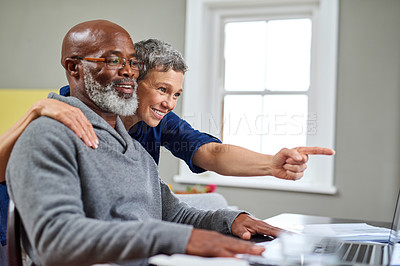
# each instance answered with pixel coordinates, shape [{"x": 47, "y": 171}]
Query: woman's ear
[{"x": 72, "y": 67}]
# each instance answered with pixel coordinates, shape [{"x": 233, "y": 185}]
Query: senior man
[{"x": 82, "y": 206}]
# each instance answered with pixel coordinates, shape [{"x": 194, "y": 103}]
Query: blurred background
[{"x": 367, "y": 160}]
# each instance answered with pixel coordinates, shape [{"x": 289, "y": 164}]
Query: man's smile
[{"x": 125, "y": 88}]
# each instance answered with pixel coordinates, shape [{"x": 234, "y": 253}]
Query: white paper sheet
[
  {"x": 185, "y": 260},
  {"x": 345, "y": 231}
]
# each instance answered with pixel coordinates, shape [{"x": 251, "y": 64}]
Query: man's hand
[
  {"x": 245, "y": 226},
  {"x": 291, "y": 163},
  {"x": 212, "y": 244}
]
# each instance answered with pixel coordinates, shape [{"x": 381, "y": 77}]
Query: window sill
[{"x": 256, "y": 183}]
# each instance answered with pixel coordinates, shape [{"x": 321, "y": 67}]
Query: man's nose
[{"x": 127, "y": 71}]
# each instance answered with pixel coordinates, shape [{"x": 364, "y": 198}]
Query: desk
[
  {"x": 286, "y": 219},
  {"x": 281, "y": 220}
]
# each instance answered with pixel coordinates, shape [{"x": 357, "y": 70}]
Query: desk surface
[
  {"x": 278, "y": 220},
  {"x": 301, "y": 219}
]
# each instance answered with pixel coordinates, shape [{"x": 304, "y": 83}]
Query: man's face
[
  {"x": 112, "y": 90},
  {"x": 108, "y": 98}
]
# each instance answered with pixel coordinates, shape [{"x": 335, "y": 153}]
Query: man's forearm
[{"x": 177, "y": 211}]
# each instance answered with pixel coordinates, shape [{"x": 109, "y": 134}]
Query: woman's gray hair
[{"x": 158, "y": 54}]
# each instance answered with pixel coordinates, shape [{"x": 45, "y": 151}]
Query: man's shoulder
[
  {"x": 45, "y": 124},
  {"x": 45, "y": 129},
  {"x": 44, "y": 137}
]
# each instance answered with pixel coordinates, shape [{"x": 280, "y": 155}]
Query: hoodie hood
[{"x": 97, "y": 121}]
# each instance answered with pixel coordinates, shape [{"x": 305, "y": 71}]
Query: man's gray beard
[{"x": 107, "y": 98}]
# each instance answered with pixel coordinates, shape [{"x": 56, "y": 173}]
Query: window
[
  {"x": 265, "y": 102},
  {"x": 262, "y": 75}
]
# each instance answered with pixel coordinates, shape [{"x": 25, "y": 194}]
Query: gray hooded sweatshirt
[{"x": 82, "y": 206}]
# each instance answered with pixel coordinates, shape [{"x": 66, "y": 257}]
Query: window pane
[
  {"x": 265, "y": 123},
  {"x": 288, "y": 55},
  {"x": 245, "y": 56},
  {"x": 242, "y": 123},
  {"x": 284, "y": 122}
]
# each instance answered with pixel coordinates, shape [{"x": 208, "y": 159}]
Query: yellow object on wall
[{"x": 15, "y": 102}]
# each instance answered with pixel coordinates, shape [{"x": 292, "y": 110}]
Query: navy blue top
[
  {"x": 173, "y": 133},
  {"x": 3, "y": 213}
]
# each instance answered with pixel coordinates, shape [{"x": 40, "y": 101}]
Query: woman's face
[{"x": 158, "y": 93}]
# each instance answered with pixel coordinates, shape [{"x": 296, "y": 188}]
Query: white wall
[
  {"x": 367, "y": 170},
  {"x": 32, "y": 32}
]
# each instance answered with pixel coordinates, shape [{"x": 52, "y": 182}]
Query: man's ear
[{"x": 72, "y": 67}]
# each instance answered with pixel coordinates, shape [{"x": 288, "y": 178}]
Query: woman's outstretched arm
[{"x": 233, "y": 160}]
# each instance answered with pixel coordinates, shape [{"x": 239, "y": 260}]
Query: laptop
[{"x": 333, "y": 251}]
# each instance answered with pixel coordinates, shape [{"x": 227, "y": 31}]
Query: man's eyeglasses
[{"x": 114, "y": 62}]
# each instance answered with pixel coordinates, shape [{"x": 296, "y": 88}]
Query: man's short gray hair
[{"x": 159, "y": 54}]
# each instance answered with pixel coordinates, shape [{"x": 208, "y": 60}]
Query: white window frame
[{"x": 203, "y": 86}]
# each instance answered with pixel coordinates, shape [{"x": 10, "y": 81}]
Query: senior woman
[{"x": 155, "y": 125}]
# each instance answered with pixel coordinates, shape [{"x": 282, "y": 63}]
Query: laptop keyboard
[
  {"x": 355, "y": 252},
  {"x": 362, "y": 253},
  {"x": 347, "y": 253}
]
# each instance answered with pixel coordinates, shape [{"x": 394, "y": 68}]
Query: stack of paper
[{"x": 345, "y": 231}]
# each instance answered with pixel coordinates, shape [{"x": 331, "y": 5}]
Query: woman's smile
[{"x": 158, "y": 113}]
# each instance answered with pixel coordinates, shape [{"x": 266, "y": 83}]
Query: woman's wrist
[
  {"x": 37, "y": 108},
  {"x": 268, "y": 164}
]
